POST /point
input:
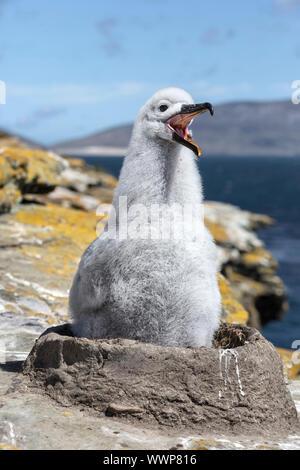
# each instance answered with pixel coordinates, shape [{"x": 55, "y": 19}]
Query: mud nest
[{"x": 236, "y": 386}]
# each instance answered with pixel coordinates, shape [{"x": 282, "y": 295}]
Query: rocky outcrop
[
  {"x": 43, "y": 233},
  {"x": 31, "y": 420},
  {"x": 244, "y": 261},
  {"x": 48, "y": 205},
  {"x": 30, "y": 170},
  {"x": 42, "y": 177},
  {"x": 10, "y": 195},
  {"x": 236, "y": 387}
]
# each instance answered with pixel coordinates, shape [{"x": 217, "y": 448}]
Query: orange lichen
[
  {"x": 233, "y": 311},
  {"x": 218, "y": 232},
  {"x": 7, "y": 446},
  {"x": 76, "y": 162},
  {"x": 29, "y": 167},
  {"x": 259, "y": 256},
  {"x": 291, "y": 363}
]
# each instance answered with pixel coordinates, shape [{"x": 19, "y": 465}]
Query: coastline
[
  {"x": 48, "y": 218},
  {"x": 93, "y": 151},
  {"x": 108, "y": 151}
]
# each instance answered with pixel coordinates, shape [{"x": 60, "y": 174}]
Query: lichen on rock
[
  {"x": 246, "y": 264},
  {"x": 10, "y": 195},
  {"x": 47, "y": 221},
  {"x": 29, "y": 169},
  {"x": 45, "y": 234}
]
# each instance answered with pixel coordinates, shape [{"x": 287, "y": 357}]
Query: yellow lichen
[
  {"x": 259, "y": 256},
  {"x": 55, "y": 238},
  {"x": 64, "y": 223},
  {"x": 204, "y": 444},
  {"x": 109, "y": 180},
  {"x": 76, "y": 162},
  {"x": 29, "y": 167},
  {"x": 291, "y": 363},
  {"x": 218, "y": 232},
  {"x": 7, "y": 446},
  {"x": 252, "y": 285},
  {"x": 233, "y": 311},
  {"x": 70, "y": 232}
]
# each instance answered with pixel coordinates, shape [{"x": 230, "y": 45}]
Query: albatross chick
[{"x": 151, "y": 275}]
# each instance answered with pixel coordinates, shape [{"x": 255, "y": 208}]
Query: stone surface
[
  {"x": 10, "y": 195},
  {"x": 29, "y": 420},
  {"x": 42, "y": 238},
  {"x": 45, "y": 239},
  {"x": 29, "y": 169},
  {"x": 35, "y": 176},
  {"x": 239, "y": 389},
  {"x": 246, "y": 264},
  {"x": 232, "y": 310},
  {"x": 291, "y": 362},
  {"x": 65, "y": 197}
]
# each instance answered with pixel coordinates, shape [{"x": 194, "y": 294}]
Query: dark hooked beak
[
  {"x": 197, "y": 108},
  {"x": 180, "y": 122}
]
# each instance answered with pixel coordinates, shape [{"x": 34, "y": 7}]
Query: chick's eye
[{"x": 163, "y": 107}]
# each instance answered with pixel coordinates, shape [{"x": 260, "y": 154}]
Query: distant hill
[
  {"x": 4, "y": 133},
  {"x": 238, "y": 128}
]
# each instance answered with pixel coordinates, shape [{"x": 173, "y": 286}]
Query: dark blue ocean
[{"x": 268, "y": 185}]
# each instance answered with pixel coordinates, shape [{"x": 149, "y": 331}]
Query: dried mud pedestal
[{"x": 237, "y": 386}]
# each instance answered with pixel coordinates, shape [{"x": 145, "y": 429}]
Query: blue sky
[{"x": 72, "y": 67}]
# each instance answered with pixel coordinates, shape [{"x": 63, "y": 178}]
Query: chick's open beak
[{"x": 179, "y": 124}]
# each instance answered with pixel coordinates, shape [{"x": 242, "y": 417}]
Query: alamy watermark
[
  {"x": 2, "y": 92},
  {"x": 151, "y": 222},
  {"x": 296, "y": 93},
  {"x": 296, "y": 354}
]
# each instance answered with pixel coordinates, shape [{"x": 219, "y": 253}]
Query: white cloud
[
  {"x": 287, "y": 4},
  {"x": 220, "y": 91},
  {"x": 36, "y": 117},
  {"x": 76, "y": 94}
]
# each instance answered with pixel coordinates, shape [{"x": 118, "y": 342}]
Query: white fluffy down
[{"x": 159, "y": 291}]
